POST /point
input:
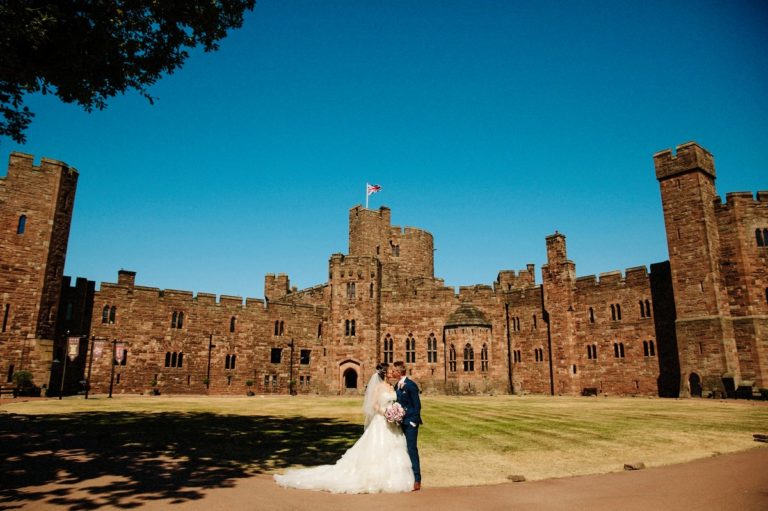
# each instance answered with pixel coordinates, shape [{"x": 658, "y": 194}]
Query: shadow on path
[{"x": 152, "y": 456}]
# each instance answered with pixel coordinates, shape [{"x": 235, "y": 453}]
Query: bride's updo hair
[{"x": 381, "y": 368}]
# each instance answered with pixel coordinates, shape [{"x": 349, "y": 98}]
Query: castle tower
[
  {"x": 35, "y": 215},
  {"x": 559, "y": 280},
  {"x": 407, "y": 252},
  {"x": 706, "y": 345}
]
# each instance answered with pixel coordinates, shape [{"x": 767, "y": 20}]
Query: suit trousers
[{"x": 411, "y": 439}]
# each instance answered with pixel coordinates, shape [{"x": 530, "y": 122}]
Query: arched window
[
  {"x": 112, "y": 314},
  {"x": 591, "y": 315},
  {"x": 282, "y": 327},
  {"x": 432, "y": 349},
  {"x": 484, "y": 358},
  {"x": 613, "y": 312},
  {"x": 352, "y": 328},
  {"x": 174, "y": 319},
  {"x": 181, "y": 358},
  {"x": 534, "y": 322},
  {"x": 232, "y": 323},
  {"x": 105, "y": 314},
  {"x": 319, "y": 330},
  {"x": 173, "y": 359},
  {"x": 389, "y": 345},
  {"x": 168, "y": 359},
  {"x": 618, "y": 312},
  {"x": 469, "y": 358},
  {"x": 642, "y": 309},
  {"x": 350, "y": 290},
  {"x": 618, "y": 350},
  {"x": 226, "y": 362},
  {"x": 181, "y": 320},
  {"x": 410, "y": 349},
  {"x": 651, "y": 348},
  {"x": 452, "y": 359},
  {"x": 22, "y": 224},
  {"x": 277, "y": 328},
  {"x": 758, "y": 236},
  {"x": 647, "y": 309},
  {"x": 371, "y": 292},
  {"x": 645, "y": 348},
  {"x": 346, "y": 328}
]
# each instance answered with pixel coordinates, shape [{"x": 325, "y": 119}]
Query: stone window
[
  {"x": 573, "y": 368},
  {"x": 615, "y": 312},
  {"x": 304, "y": 357},
  {"x": 232, "y": 323},
  {"x": 230, "y": 361},
  {"x": 172, "y": 359},
  {"x": 105, "y": 314},
  {"x": 592, "y": 351},
  {"x": 274, "y": 381},
  {"x": 279, "y": 327},
  {"x": 515, "y": 323},
  {"x": 389, "y": 344},
  {"x": 112, "y": 314},
  {"x": 276, "y": 355},
  {"x": 649, "y": 349},
  {"x": 371, "y": 292},
  {"x": 534, "y": 322},
  {"x": 645, "y": 309},
  {"x": 8, "y": 310},
  {"x": 618, "y": 350},
  {"x": 349, "y": 328},
  {"x": 351, "y": 290},
  {"x": 538, "y": 354},
  {"x": 410, "y": 349},
  {"x": 177, "y": 320},
  {"x": 760, "y": 236},
  {"x": 22, "y": 226},
  {"x": 591, "y": 315},
  {"x": 319, "y": 330},
  {"x": 452, "y": 359},
  {"x": 469, "y": 358},
  {"x": 266, "y": 381},
  {"x": 432, "y": 349},
  {"x": 517, "y": 356},
  {"x": 229, "y": 380},
  {"x": 484, "y": 358},
  {"x": 10, "y": 374}
]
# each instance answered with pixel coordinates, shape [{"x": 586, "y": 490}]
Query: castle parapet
[{"x": 690, "y": 157}]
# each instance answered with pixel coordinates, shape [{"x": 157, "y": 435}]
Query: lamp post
[
  {"x": 208, "y": 373},
  {"x": 64, "y": 369}
]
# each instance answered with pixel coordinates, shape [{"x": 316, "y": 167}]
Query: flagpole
[{"x": 366, "y": 195}]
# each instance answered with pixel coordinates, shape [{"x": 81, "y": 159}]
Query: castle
[{"x": 694, "y": 325}]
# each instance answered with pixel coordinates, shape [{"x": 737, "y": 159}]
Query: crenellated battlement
[
  {"x": 510, "y": 279},
  {"x": 689, "y": 157},
  {"x": 742, "y": 199},
  {"x": 631, "y": 276}
]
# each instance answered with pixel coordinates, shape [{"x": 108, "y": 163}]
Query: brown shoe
[{"x": 416, "y": 486}]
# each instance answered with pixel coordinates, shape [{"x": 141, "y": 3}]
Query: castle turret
[{"x": 708, "y": 356}]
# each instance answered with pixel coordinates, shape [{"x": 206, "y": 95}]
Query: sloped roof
[{"x": 467, "y": 315}]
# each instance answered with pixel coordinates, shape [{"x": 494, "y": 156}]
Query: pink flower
[{"x": 394, "y": 413}]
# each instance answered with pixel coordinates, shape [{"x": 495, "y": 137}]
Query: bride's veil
[{"x": 371, "y": 398}]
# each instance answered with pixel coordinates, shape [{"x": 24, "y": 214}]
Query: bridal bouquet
[{"x": 394, "y": 413}]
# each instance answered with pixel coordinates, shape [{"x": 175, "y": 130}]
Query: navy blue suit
[{"x": 408, "y": 397}]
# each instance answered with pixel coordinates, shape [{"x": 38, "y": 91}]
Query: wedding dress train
[{"x": 378, "y": 462}]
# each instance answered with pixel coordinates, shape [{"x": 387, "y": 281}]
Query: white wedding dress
[{"x": 378, "y": 462}]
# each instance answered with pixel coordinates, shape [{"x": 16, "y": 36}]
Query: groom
[{"x": 408, "y": 397}]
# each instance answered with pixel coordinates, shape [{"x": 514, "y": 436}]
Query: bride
[{"x": 378, "y": 462}]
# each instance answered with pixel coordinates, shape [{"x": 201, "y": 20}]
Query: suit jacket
[{"x": 408, "y": 397}]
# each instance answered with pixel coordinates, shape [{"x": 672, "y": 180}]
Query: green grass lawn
[{"x": 464, "y": 441}]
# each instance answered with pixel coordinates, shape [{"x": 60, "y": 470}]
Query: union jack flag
[{"x": 370, "y": 189}]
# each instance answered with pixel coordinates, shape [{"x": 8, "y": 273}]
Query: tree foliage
[{"x": 87, "y": 51}]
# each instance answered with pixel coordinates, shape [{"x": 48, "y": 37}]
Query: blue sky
[{"x": 490, "y": 124}]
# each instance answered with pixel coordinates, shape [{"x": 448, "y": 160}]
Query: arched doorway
[
  {"x": 350, "y": 379},
  {"x": 694, "y": 383}
]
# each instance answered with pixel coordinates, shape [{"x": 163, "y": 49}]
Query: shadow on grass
[{"x": 150, "y": 456}]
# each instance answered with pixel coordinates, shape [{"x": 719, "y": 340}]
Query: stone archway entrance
[
  {"x": 350, "y": 380},
  {"x": 694, "y": 383}
]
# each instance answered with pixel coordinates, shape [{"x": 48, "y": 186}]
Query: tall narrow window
[
  {"x": 647, "y": 309},
  {"x": 282, "y": 327},
  {"x": 277, "y": 328},
  {"x": 642, "y": 309},
  {"x": 181, "y": 358},
  {"x": 410, "y": 349},
  {"x": 319, "y": 330},
  {"x": 352, "y": 328},
  {"x": 174, "y": 319},
  {"x": 112, "y": 314},
  {"x": 226, "y": 362},
  {"x": 484, "y": 358},
  {"x": 168, "y": 359},
  {"x": 591, "y": 315},
  {"x": 469, "y": 358},
  {"x": 232, "y": 361},
  {"x": 758, "y": 236},
  {"x": 432, "y": 349},
  {"x": 232, "y": 323},
  {"x": 22, "y": 224},
  {"x": 613, "y": 312},
  {"x": 389, "y": 344},
  {"x": 534, "y": 322},
  {"x": 174, "y": 359},
  {"x": 8, "y": 310},
  {"x": 645, "y": 348},
  {"x": 181, "y": 320},
  {"x": 105, "y": 314},
  {"x": 304, "y": 357},
  {"x": 350, "y": 290},
  {"x": 452, "y": 359},
  {"x": 651, "y": 349},
  {"x": 371, "y": 291},
  {"x": 618, "y": 312},
  {"x": 10, "y": 374}
]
